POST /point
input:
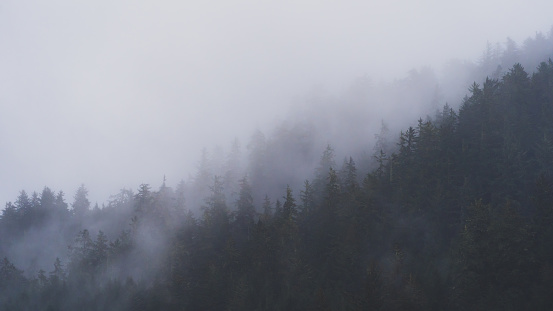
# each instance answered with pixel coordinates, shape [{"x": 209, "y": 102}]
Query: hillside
[{"x": 457, "y": 216}]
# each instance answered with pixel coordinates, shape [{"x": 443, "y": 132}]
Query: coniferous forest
[{"x": 456, "y": 215}]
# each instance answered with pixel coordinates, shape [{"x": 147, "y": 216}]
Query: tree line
[{"x": 458, "y": 216}]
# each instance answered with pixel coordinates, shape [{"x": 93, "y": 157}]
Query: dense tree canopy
[{"x": 458, "y": 217}]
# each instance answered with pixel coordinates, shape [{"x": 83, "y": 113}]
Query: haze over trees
[{"x": 451, "y": 212}]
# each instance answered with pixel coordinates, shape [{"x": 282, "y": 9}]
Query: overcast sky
[{"x": 113, "y": 94}]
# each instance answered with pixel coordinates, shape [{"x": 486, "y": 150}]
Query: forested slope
[{"x": 460, "y": 217}]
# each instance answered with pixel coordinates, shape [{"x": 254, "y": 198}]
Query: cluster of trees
[
  {"x": 455, "y": 214},
  {"x": 426, "y": 89},
  {"x": 459, "y": 217}
]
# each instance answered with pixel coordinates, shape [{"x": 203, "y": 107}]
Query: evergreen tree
[
  {"x": 81, "y": 204},
  {"x": 289, "y": 208},
  {"x": 245, "y": 212},
  {"x": 307, "y": 198},
  {"x": 12, "y": 285},
  {"x": 267, "y": 209},
  {"x": 58, "y": 275}
]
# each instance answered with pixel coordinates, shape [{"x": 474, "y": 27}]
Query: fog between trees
[{"x": 346, "y": 204}]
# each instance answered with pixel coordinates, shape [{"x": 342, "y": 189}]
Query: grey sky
[{"x": 117, "y": 93}]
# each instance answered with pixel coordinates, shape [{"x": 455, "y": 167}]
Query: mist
[
  {"x": 208, "y": 155},
  {"x": 114, "y": 95}
]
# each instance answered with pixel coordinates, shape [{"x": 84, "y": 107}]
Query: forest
[{"x": 455, "y": 213}]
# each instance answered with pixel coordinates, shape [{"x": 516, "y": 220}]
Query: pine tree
[
  {"x": 81, "y": 255},
  {"x": 232, "y": 169},
  {"x": 289, "y": 208},
  {"x": 9, "y": 223},
  {"x": 100, "y": 252},
  {"x": 143, "y": 199},
  {"x": 267, "y": 209},
  {"x": 12, "y": 280},
  {"x": 25, "y": 209},
  {"x": 307, "y": 198},
  {"x": 57, "y": 276},
  {"x": 245, "y": 212},
  {"x": 81, "y": 204}
]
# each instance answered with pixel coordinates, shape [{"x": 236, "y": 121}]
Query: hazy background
[{"x": 113, "y": 94}]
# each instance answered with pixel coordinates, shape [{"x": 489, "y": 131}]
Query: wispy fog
[{"x": 113, "y": 94}]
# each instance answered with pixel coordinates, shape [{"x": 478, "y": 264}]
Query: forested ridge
[{"x": 458, "y": 217}]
